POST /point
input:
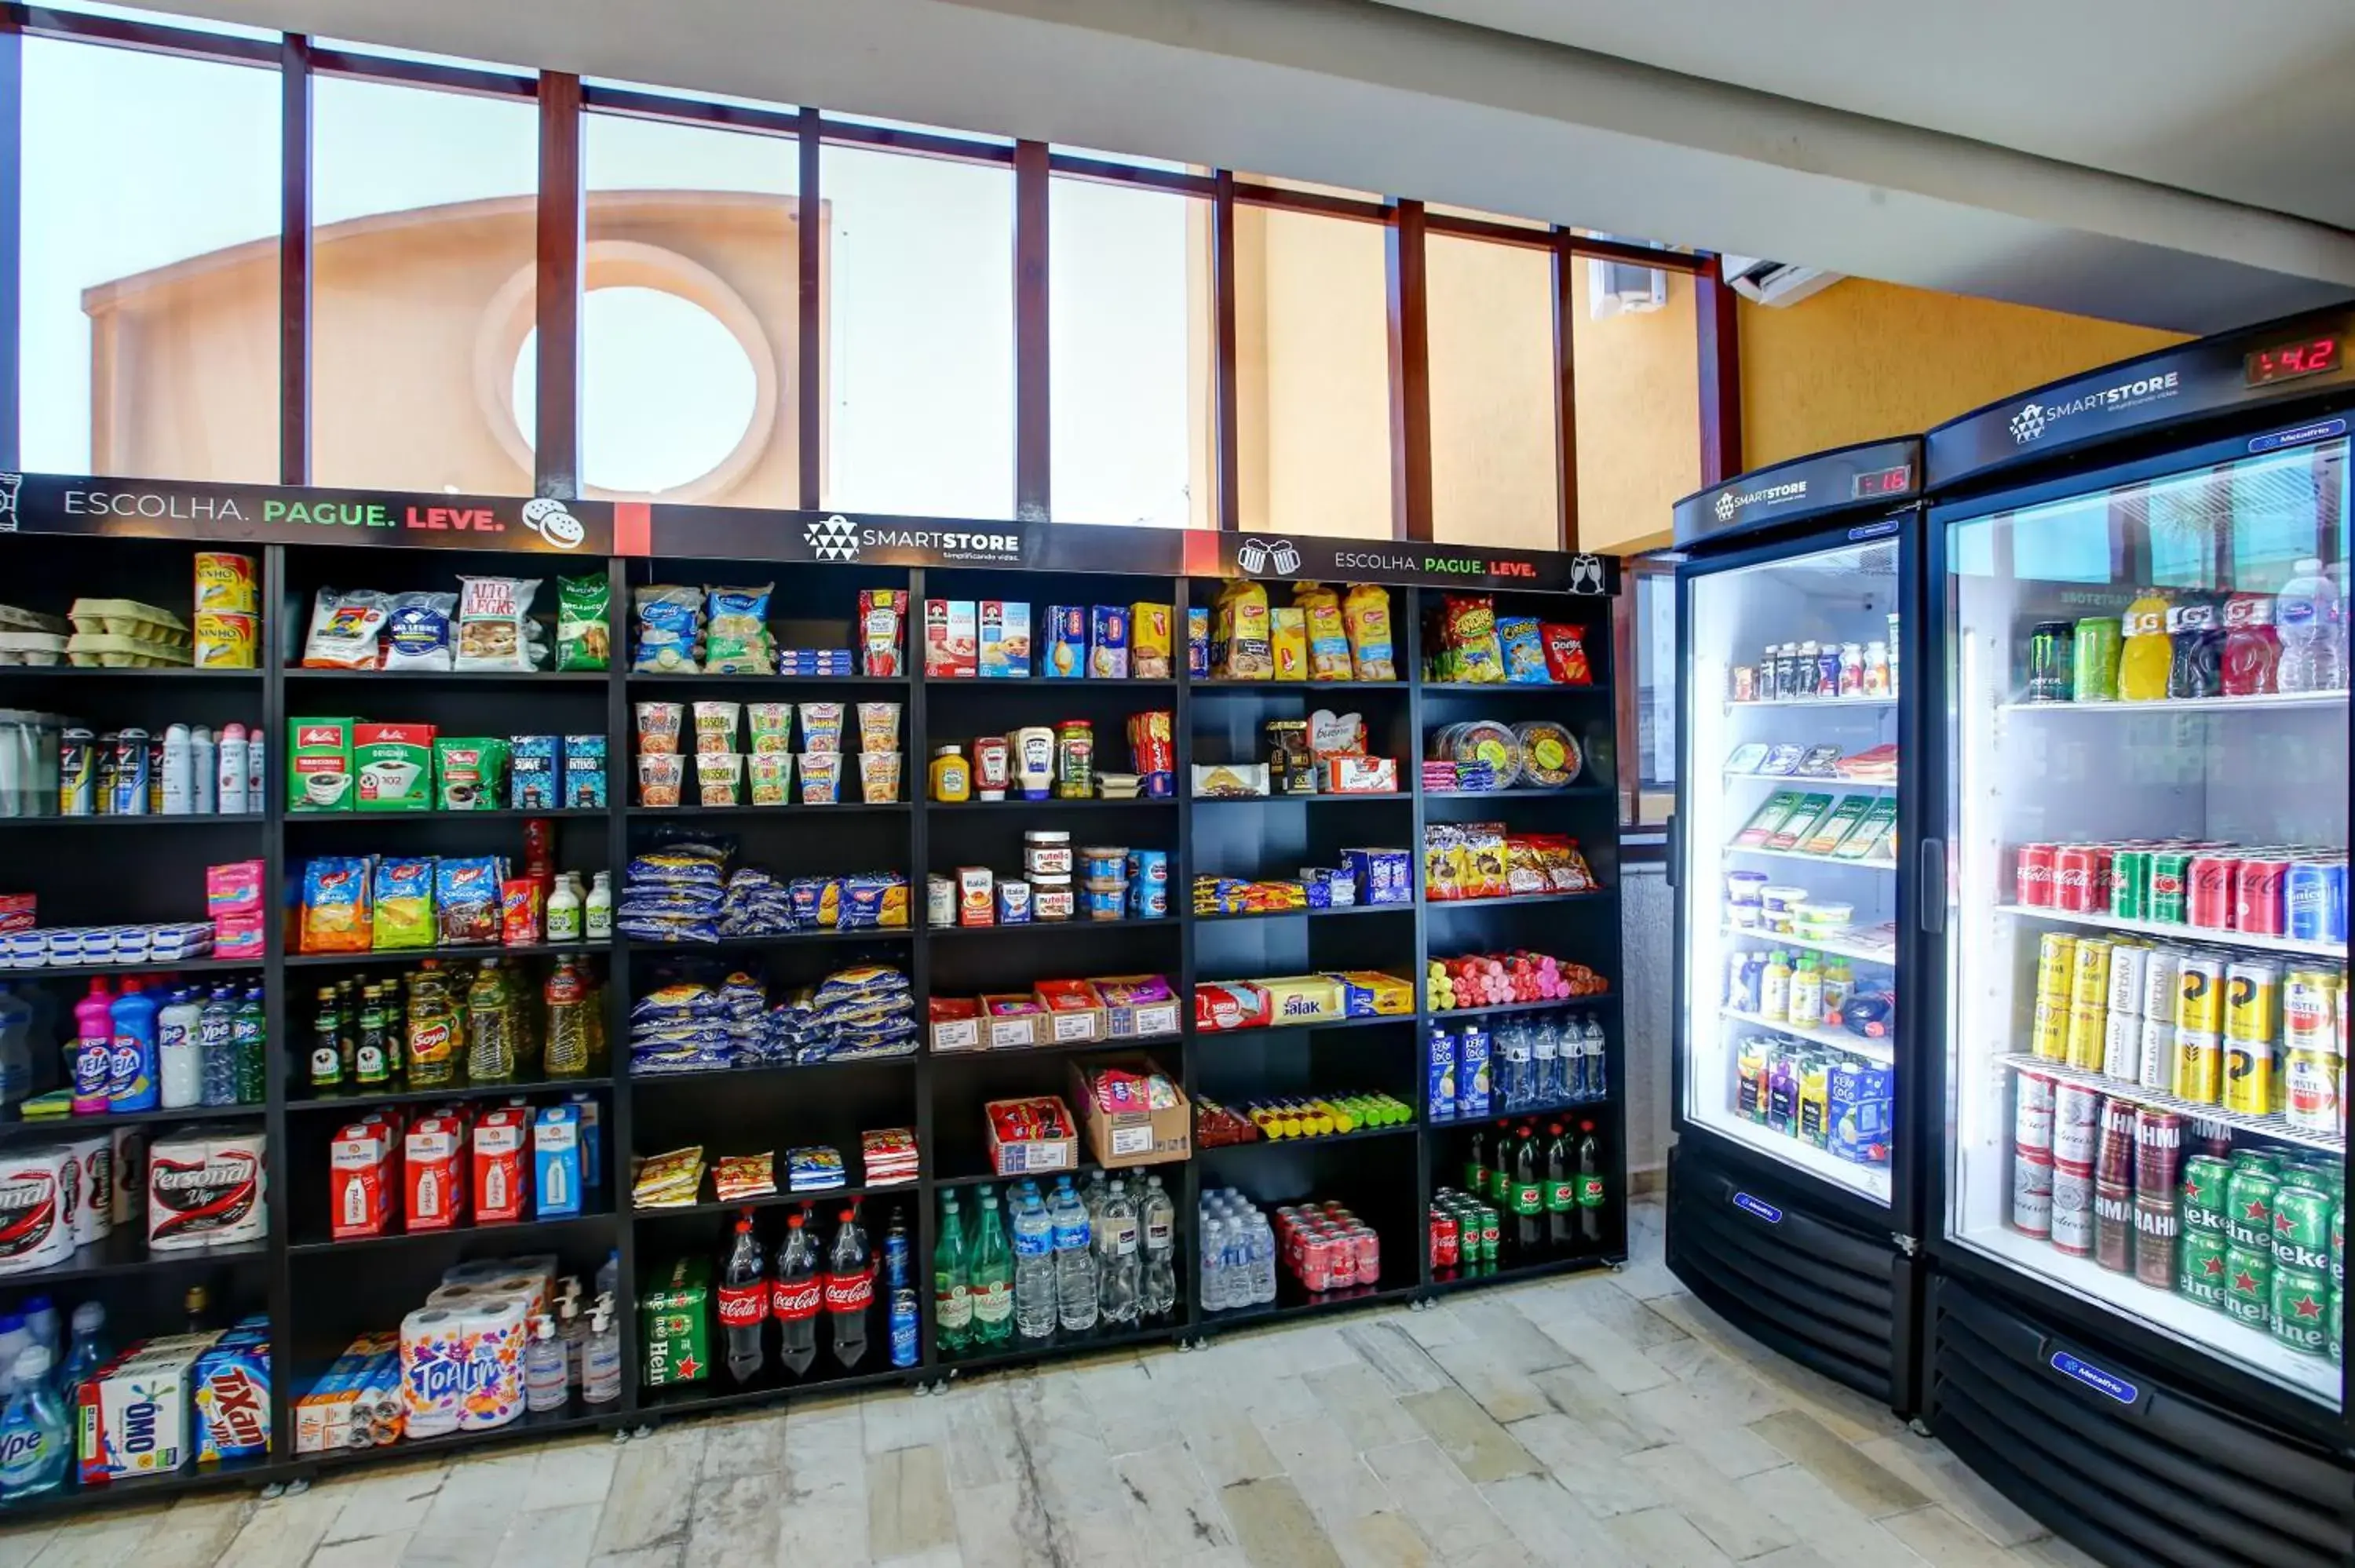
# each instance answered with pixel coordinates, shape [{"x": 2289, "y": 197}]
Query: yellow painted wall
[
  {"x": 1494, "y": 463},
  {"x": 1638, "y": 418},
  {"x": 1863, "y": 360}
]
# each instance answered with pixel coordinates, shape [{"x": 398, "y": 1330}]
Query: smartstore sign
[
  {"x": 237, "y": 513},
  {"x": 2034, "y": 418}
]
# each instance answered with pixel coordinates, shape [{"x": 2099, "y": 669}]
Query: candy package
[
  {"x": 583, "y": 627},
  {"x": 403, "y": 901},
  {"x": 1366, "y": 619},
  {"x": 1565, "y": 654},
  {"x": 345, "y": 629},
  {"x": 736, "y": 640},
  {"x": 1524, "y": 650},
  {"x": 417, "y": 634},
  {"x": 336, "y": 909},
  {"x": 670, "y": 629},
  {"x": 493, "y": 622}
]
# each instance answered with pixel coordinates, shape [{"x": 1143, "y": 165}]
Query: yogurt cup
[
  {"x": 1823, "y": 919},
  {"x": 1779, "y": 904}
]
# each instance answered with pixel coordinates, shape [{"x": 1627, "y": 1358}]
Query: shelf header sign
[{"x": 275, "y": 515}]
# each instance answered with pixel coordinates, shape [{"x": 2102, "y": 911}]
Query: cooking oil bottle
[
  {"x": 569, "y": 996},
  {"x": 490, "y": 1027}
]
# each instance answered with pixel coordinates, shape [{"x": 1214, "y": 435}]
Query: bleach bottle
[
  {"x": 93, "y": 1067},
  {"x": 130, "y": 1079}
]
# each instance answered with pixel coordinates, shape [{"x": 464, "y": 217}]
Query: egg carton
[
  {"x": 129, "y": 618},
  {"x": 31, "y": 647},
  {"x": 98, "y": 649},
  {"x": 15, "y": 619}
]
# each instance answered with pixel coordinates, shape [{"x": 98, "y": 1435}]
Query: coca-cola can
[
  {"x": 2114, "y": 1226},
  {"x": 1370, "y": 1253},
  {"x": 2032, "y": 875},
  {"x": 2208, "y": 901},
  {"x": 2158, "y": 1152},
  {"x": 2258, "y": 903},
  {"x": 2073, "y": 1209},
  {"x": 1315, "y": 1260},
  {"x": 2076, "y": 1114},
  {"x": 1444, "y": 1239},
  {"x": 2075, "y": 876},
  {"x": 2113, "y": 1159},
  {"x": 2157, "y": 1227},
  {"x": 2032, "y": 1117},
  {"x": 2031, "y": 1193}
]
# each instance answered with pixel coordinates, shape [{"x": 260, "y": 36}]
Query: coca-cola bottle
[
  {"x": 850, "y": 1287},
  {"x": 744, "y": 1302},
  {"x": 793, "y": 1299}
]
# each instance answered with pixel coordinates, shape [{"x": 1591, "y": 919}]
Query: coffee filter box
[
  {"x": 319, "y": 764},
  {"x": 392, "y": 766}
]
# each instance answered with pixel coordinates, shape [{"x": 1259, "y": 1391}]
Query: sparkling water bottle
[
  {"x": 1075, "y": 1260},
  {"x": 1034, "y": 1265}
]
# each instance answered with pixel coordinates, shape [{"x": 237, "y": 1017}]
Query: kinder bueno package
[
  {"x": 135, "y": 1413},
  {"x": 362, "y": 1179},
  {"x": 502, "y": 1165},
  {"x": 206, "y": 1191},
  {"x": 232, "y": 1396},
  {"x": 434, "y": 1184},
  {"x": 38, "y": 1187}
]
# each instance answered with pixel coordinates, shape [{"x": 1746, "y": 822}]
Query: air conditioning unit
[{"x": 1774, "y": 282}]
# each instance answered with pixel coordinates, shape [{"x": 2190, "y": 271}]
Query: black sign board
[
  {"x": 2295, "y": 357},
  {"x": 1870, "y": 473},
  {"x": 1286, "y": 557},
  {"x": 272, "y": 515},
  {"x": 743, "y": 533}
]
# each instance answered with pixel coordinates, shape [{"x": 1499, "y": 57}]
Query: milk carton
[
  {"x": 361, "y": 1179},
  {"x": 434, "y": 1185},
  {"x": 502, "y": 1165},
  {"x": 556, "y": 1161}
]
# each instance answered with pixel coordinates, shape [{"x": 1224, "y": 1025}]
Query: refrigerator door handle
[
  {"x": 1933, "y": 866},
  {"x": 1672, "y": 847}
]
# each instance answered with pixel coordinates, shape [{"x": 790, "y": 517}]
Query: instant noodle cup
[
  {"x": 821, "y": 771},
  {"x": 715, "y": 728},
  {"x": 718, "y": 777},
  {"x": 879, "y": 727},
  {"x": 227, "y": 640},
  {"x": 659, "y": 777},
  {"x": 771, "y": 776},
  {"x": 771, "y": 725},
  {"x": 658, "y": 728},
  {"x": 879, "y": 776},
  {"x": 821, "y": 730}
]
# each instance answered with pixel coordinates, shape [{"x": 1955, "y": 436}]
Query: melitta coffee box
[
  {"x": 392, "y": 766},
  {"x": 206, "y": 1191},
  {"x": 676, "y": 1309},
  {"x": 319, "y": 764},
  {"x": 36, "y": 1218},
  {"x": 232, "y": 1397},
  {"x": 136, "y": 1413}
]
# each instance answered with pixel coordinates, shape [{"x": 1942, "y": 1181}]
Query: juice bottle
[
  {"x": 2146, "y": 656},
  {"x": 1839, "y": 980},
  {"x": 1775, "y": 988},
  {"x": 1806, "y": 994}
]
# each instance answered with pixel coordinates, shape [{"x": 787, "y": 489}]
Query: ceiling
[{"x": 1944, "y": 154}]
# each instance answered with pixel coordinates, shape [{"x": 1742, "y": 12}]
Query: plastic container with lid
[{"x": 1051, "y": 898}]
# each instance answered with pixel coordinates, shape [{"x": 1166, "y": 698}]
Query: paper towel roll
[
  {"x": 492, "y": 1330},
  {"x": 433, "y": 1370},
  {"x": 480, "y": 1271},
  {"x": 531, "y": 1289}
]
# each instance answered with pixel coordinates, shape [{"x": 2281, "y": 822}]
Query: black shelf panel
[
  {"x": 1211, "y": 1036},
  {"x": 15, "y": 1129},
  {"x": 1087, "y": 1162},
  {"x": 522, "y": 1231},
  {"x": 1591, "y": 1003},
  {"x": 1045, "y": 682},
  {"x": 1293, "y": 1302},
  {"x": 140, "y": 1491},
  {"x": 125, "y": 1251},
  {"x": 126, "y": 672},
  {"x": 771, "y": 1385},
  {"x": 1022, "y": 1353},
  {"x": 827, "y": 1198},
  {"x": 1516, "y": 688},
  {"x": 448, "y": 955},
  {"x": 1305, "y": 688},
  {"x": 1092, "y": 803},
  {"x": 1026, "y": 928},
  {"x": 1511, "y": 900},
  {"x": 1566, "y": 792},
  {"x": 1304, "y": 914},
  {"x": 143, "y": 819},
  {"x": 754, "y": 682},
  {"x": 795, "y": 808},
  {"x": 301, "y": 1100},
  {"x": 206, "y": 965},
  {"x": 578, "y": 1416},
  {"x": 486, "y": 814},
  {"x": 1346, "y": 798},
  {"x": 1505, "y": 1273},
  {"x": 1527, "y": 1113},
  {"x": 746, "y": 944}
]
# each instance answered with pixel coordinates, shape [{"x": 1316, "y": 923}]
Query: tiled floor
[{"x": 1599, "y": 1420}]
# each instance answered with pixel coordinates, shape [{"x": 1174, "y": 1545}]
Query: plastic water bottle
[
  {"x": 1545, "y": 1049},
  {"x": 15, "y": 1339},
  {"x": 1116, "y": 1253},
  {"x": 1596, "y": 1087},
  {"x": 34, "y": 1451},
  {"x": 1263, "y": 1259},
  {"x": 1075, "y": 1259},
  {"x": 1034, "y": 1266},
  {"x": 88, "y": 1351},
  {"x": 1157, "y": 1282},
  {"x": 2307, "y": 620},
  {"x": 15, "y": 1047},
  {"x": 1211, "y": 1229}
]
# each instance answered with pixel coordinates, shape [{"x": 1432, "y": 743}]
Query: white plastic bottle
[
  {"x": 597, "y": 909},
  {"x": 204, "y": 770},
  {"x": 564, "y": 908},
  {"x": 600, "y": 1359},
  {"x": 257, "y": 786},
  {"x": 179, "y": 1052},
  {"x": 179, "y": 772},
  {"x": 2307, "y": 620},
  {"x": 231, "y": 793},
  {"x": 545, "y": 1386}
]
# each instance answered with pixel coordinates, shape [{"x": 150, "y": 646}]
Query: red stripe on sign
[
  {"x": 633, "y": 528},
  {"x": 1201, "y": 552}
]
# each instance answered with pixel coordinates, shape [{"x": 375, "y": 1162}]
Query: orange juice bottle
[{"x": 2146, "y": 655}]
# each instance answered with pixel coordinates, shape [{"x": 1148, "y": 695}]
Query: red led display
[
  {"x": 2291, "y": 360},
  {"x": 1883, "y": 482}
]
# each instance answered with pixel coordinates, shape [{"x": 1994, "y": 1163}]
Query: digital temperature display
[
  {"x": 1895, "y": 480},
  {"x": 2289, "y": 361}
]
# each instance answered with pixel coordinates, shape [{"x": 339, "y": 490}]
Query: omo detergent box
[{"x": 134, "y": 1415}]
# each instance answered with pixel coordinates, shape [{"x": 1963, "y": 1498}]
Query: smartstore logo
[
  {"x": 1729, "y": 502},
  {"x": 2032, "y": 419}
]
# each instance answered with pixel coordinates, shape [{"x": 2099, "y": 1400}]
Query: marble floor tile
[
  {"x": 105, "y": 1545},
  {"x": 280, "y": 1533},
  {"x": 1929, "y": 1466},
  {"x": 753, "y": 1445},
  {"x": 1448, "y": 1509},
  {"x": 1395, "y": 1355},
  {"x": 1133, "y": 1413},
  {"x": 1177, "y": 1511},
  {"x": 979, "y": 1417},
  {"x": 1362, "y": 1405},
  {"x": 392, "y": 1502},
  {"x": 1507, "y": 1392},
  {"x": 363, "y": 1552},
  {"x": 1479, "y": 1447},
  {"x": 1577, "y": 1392},
  {"x": 1819, "y": 1520},
  {"x": 1853, "y": 1477},
  {"x": 1665, "y": 1538},
  {"x": 1274, "y": 1527},
  {"x": 654, "y": 1488},
  {"x": 1384, "y": 1540},
  {"x": 1584, "y": 1463},
  {"x": 1687, "y": 1481},
  {"x": 1938, "y": 1537},
  {"x": 1551, "y": 1525},
  {"x": 551, "y": 1537},
  {"x": 1225, "y": 1444},
  {"x": 908, "y": 1508}
]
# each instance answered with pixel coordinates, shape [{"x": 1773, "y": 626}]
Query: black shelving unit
[{"x": 320, "y": 1293}]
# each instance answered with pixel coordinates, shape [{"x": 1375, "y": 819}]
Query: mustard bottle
[{"x": 952, "y": 775}]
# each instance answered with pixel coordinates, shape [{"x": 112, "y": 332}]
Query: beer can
[
  {"x": 2031, "y": 1193},
  {"x": 2033, "y": 1116},
  {"x": 2306, "y": 1008},
  {"x": 2072, "y": 1210},
  {"x": 2334, "y": 1327},
  {"x": 2122, "y": 1047},
  {"x": 2249, "y": 1195},
  {"x": 2155, "y": 1234},
  {"x": 2130, "y": 883},
  {"x": 2295, "y": 1300},
  {"x": 2032, "y": 875},
  {"x": 2248, "y": 1076},
  {"x": 2208, "y": 899},
  {"x": 2302, "y": 1217},
  {"x": 2162, "y": 980},
  {"x": 2114, "y": 1226},
  {"x": 2200, "y": 992},
  {"x": 2199, "y": 1074},
  {"x": 2077, "y": 1122},
  {"x": 2310, "y": 1089},
  {"x": 2075, "y": 878},
  {"x": 2199, "y": 1266},
  {"x": 2314, "y": 901},
  {"x": 2051, "y": 1038},
  {"x": 2248, "y": 1284},
  {"x": 2089, "y": 976},
  {"x": 2056, "y": 960},
  {"x": 2258, "y": 892},
  {"x": 2113, "y": 1150},
  {"x": 2158, "y": 1153},
  {"x": 2204, "y": 1192},
  {"x": 76, "y": 773},
  {"x": 2253, "y": 1000},
  {"x": 2129, "y": 963},
  {"x": 2155, "y": 1054},
  {"x": 2087, "y": 1025}
]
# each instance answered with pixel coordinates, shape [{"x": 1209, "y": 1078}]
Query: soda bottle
[
  {"x": 1076, "y": 1284},
  {"x": 34, "y": 1450},
  {"x": 1591, "y": 1192},
  {"x": 744, "y": 1302},
  {"x": 952, "y": 1291},
  {"x": 2196, "y": 664},
  {"x": 1529, "y": 1194},
  {"x": 793, "y": 1299},
  {"x": 567, "y": 994},
  {"x": 850, "y": 1287},
  {"x": 2307, "y": 620},
  {"x": 2146, "y": 656},
  {"x": 2251, "y": 650},
  {"x": 1560, "y": 1189},
  {"x": 490, "y": 1033},
  {"x": 1475, "y": 1165},
  {"x": 992, "y": 1274},
  {"x": 1116, "y": 1256}
]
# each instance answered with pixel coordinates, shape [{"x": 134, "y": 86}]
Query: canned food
[
  {"x": 2032, "y": 875},
  {"x": 939, "y": 900},
  {"x": 2199, "y": 993},
  {"x": 2199, "y": 1074}
]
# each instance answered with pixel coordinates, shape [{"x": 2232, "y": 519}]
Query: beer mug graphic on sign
[
  {"x": 9, "y": 485},
  {"x": 1257, "y": 555}
]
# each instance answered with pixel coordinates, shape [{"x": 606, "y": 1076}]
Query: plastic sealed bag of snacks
[
  {"x": 1525, "y": 866},
  {"x": 1240, "y": 650},
  {"x": 658, "y": 728},
  {"x": 1467, "y": 638},
  {"x": 417, "y": 633},
  {"x": 345, "y": 629},
  {"x": 583, "y": 624},
  {"x": 466, "y": 899},
  {"x": 403, "y": 901},
  {"x": 1328, "y": 637},
  {"x": 1524, "y": 650},
  {"x": 879, "y": 727},
  {"x": 493, "y": 622},
  {"x": 336, "y": 915},
  {"x": 1365, "y": 619},
  {"x": 736, "y": 640},
  {"x": 670, "y": 629},
  {"x": 1565, "y": 654}
]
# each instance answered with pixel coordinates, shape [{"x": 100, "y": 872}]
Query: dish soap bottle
[{"x": 33, "y": 1449}]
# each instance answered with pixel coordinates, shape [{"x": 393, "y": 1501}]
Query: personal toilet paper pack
[
  {"x": 36, "y": 1187},
  {"x": 93, "y": 1198},
  {"x": 206, "y": 1191}
]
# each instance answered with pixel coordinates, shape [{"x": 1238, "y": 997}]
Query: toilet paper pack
[
  {"x": 206, "y": 1191},
  {"x": 36, "y": 1190}
]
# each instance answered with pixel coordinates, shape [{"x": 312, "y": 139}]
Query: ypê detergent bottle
[{"x": 131, "y": 1070}]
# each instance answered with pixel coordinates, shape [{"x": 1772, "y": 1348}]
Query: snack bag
[
  {"x": 1287, "y": 640},
  {"x": 1565, "y": 654},
  {"x": 336, "y": 912},
  {"x": 736, "y": 640},
  {"x": 1366, "y": 619},
  {"x": 495, "y": 622},
  {"x": 466, "y": 898},
  {"x": 344, "y": 629},
  {"x": 1329, "y": 639},
  {"x": 583, "y": 631},
  {"x": 1468, "y": 638},
  {"x": 403, "y": 899},
  {"x": 417, "y": 634},
  {"x": 1524, "y": 650},
  {"x": 1239, "y": 635}
]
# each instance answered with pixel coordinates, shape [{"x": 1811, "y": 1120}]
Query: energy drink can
[
  {"x": 135, "y": 772},
  {"x": 76, "y": 773}
]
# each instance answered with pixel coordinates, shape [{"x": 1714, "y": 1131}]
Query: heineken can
[
  {"x": 2311, "y": 1174},
  {"x": 2199, "y": 1268},
  {"x": 2130, "y": 883},
  {"x": 2248, "y": 1284},
  {"x": 2302, "y": 1230},
  {"x": 2295, "y": 1305},
  {"x": 2204, "y": 1180},
  {"x": 2249, "y": 1207},
  {"x": 2334, "y": 1329},
  {"x": 2339, "y": 1247}
]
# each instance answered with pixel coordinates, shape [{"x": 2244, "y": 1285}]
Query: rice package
[
  {"x": 670, "y": 629},
  {"x": 403, "y": 900},
  {"x": 336, "y": 909},
  {"x": 493, "y": 622},
  {"x": 417, "y": 631},
  {"x": 1239, "y": 635},
  {"x": 345, "y": 629},
  {"x": 583, "y": 623},
  {"x": 736, "y": 640},
  {"x": 1366, "y": 620}
]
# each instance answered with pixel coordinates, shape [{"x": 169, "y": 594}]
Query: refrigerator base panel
[
  {"x": 2127, "y": 1467},
  {"x": 1813, "y": 1286}
]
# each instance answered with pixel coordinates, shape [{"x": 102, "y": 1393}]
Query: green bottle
[
  {"x": 991, "y": 1275},
  {"x": 952, "y": 1291}
]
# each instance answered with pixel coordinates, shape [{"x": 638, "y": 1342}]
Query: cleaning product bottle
[
  {"x": 94, "y": 1050},
  {"x": 15, "y": 1047},
  {"x": 601, "y": 1358},
  {"x": 34, "y": 1450},
  {"x": 131, "y": 1066}
]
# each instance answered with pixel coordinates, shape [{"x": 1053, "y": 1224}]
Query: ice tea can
[
  {"x": 2200, "y": 992},
  {"x": 2199, "y": 1067}
]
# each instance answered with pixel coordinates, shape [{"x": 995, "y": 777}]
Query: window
[
  {"x": 422, "y": 287},
  {"x": 148, "y": 320},
  {"x": 920, "y": 278},
  {"x": 1129, "y": 317},
  {"x": 1639, "y": 417},
  {"x": 1652, "y": 684},
  {"x": 1496, "y": 467}
]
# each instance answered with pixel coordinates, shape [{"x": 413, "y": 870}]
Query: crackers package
[{"x": 1239, "y": 635}]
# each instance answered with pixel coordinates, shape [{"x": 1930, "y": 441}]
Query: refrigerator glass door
[
  {"x": 2147, "y": 937},
  {"x": 1788, "y": 834}
]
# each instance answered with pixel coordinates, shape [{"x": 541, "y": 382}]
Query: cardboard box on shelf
[{"x": 1136, "y": 1136}]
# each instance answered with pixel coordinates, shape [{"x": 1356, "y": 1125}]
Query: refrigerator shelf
[
  {"x": 1871, "y": 1180},
  {"x": 2178, "y": 933},
  {"x": 1880, "y": 1051},
  {"x": 1888, "y": 702},
  {"x": 1827, "y": 780},
  {"x": 1886, "y": 957},
  {"x": 1812, "y": 859},
  {"x": 2117, "y": 1088},
  {"x": 2211, "y": 1332},
  {"x": 2337, "y": 699}
]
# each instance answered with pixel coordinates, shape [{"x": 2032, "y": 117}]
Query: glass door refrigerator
[
  {"x": 2135, "y": 1326},
  {"x": 1789, "y": 1188}
]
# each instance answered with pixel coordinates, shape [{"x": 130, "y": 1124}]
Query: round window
[{"x": 668, "y": 392}]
